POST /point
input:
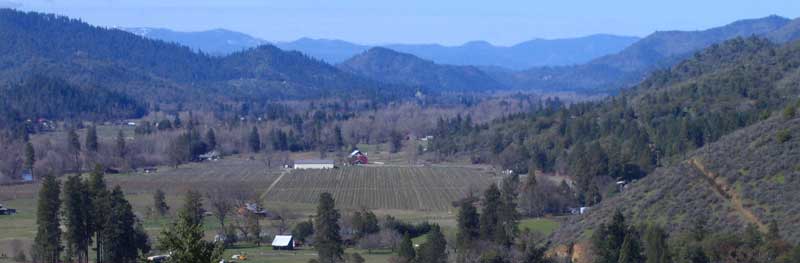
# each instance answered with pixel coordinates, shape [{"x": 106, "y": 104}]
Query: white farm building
[{"x": 313, "y": 164}]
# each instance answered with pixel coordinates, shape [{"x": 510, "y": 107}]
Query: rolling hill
[
  {"x": 748, "y": 177},
  {"x": 152, "y": 69},
  {"x": 399, "y": 68},
  {"x": 659, "y": 50},
  {"x": 81, "y": 59}
]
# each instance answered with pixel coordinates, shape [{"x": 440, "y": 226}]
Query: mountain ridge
[{"x": 395, "y": 67}]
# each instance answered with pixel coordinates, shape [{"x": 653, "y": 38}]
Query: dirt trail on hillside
[{"x": 724, "y": 189}]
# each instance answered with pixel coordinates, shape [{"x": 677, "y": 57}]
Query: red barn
[{"x": 357, "y": 157}]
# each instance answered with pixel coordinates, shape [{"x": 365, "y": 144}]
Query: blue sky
[{"x": 415, "y": 21}]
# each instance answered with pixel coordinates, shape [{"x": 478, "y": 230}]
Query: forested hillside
[
  {"x": 722, "y": 89},
  {"x": 159, "y": 72},
  {"x": 400, "y": 68},
  {"x": 659, "y": 50},
  {"x": 748, "y": 177}
]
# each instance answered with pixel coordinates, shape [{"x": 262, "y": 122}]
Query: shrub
[
  {"x": 789, "y": 112},
  {"x": 784, "y": 136}
]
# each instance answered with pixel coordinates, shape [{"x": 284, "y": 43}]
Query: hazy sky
[{"x": 416, "y": 21}]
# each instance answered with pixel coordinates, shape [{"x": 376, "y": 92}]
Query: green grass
[{"x": 541, "y": 225}]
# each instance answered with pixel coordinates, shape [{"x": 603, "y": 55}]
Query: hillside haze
[
  {"x": 390, "y": 66},
  {"x": 659, "y": 50}
]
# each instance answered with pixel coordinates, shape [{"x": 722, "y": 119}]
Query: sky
[{"x": 449, "y": 22}]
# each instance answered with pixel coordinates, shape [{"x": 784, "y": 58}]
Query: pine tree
[
  {"x": 74, "y": 148},
  {"x": 630, "y": 252},
  {"x": 91, "y": 139},
  {"x": 125, "y": 241},
  {"x": 254, "y": 140},
  {"x": 406, "y": 251},
  {"x": 47, "y": 244},
  {"x": 434, "y": 250},
  {"x": 99, "y": 196},
  {"x": 211, "y": 139},
  {"x": 185, "y": 238},
  {"x": 78, "y": 211},
  {"x": 508, "y": 218},
  {"x": 338, "y": 138},
  {"x": 656, "y": 250},
  {"x": 121, "y": 149},
  {"x": 468, "y": 226},
  {"x": 193, "y": 207},
  {"x": 30, "y": 156},
  {"x": 327, "y": 240},
  {"x": 159, "y": 203},
  {"x": 607, "y": 240},
  {"x": 489, "y": 219}
]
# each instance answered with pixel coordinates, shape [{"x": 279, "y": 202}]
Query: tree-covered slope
[
  {"x": 721, "y": 89},
  {"x": 154, "y": 70},
  {"x": 400, "y": 68},
  {"x": 750, "y": 176}
]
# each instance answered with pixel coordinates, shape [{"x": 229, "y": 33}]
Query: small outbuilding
[
  {"x": 313, "y": 164},
  {"x": 283, "y": 242},
  {"x": 7, "y": 211}
]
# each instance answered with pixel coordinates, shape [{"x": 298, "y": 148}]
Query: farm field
[
  {"x": 387, "y": 187},
  {"x": 409, "y": 193}
]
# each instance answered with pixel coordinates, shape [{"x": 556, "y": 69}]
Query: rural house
[
  {"x": 283, "y": 242},
  {"x": 313, "y": 164}
]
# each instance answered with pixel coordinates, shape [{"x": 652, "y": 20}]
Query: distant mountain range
[
  {"x": 537, "y": 52},
  {"x": 215, "y": 42},
  {"x": 390, "y": 66},
  {"x": 656, "y": 51}
]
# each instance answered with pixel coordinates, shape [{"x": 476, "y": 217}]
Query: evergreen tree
[
  {"x": 364, "y": 223},
  {"x": 607, "y": 240},
  {"x": 100, "y": 204},
  {"x": 211, "y": 139},
  {"x": 47, "y": 244},
  {"x": 434, "y": 250},
  {"x": 773, "y": 232},
  {"x": 74, "y": 148},
  {"x": 159, "y": 203},
  {"x": 177, "y": 122},
  {"x": 121, "y": 148},
  {"x": 406, "y": 251},
  {"x": 630, "y": 252},
  {"x": 124, "y": 239},
  {"x": 656, "y": 250},
  {"x": 327, "y": 240},
  {"x": 91, "y": 139},
  {"x": 78, "y": 212},
  {"x": 489, "y": 219},
  {"x": 30, "y": 156},
  {"x": 508, "y": 217},
  {"x": 185, "y": 238},
  {"x": 254, "y": 140},
  {"x": 337, "y": 137},
  {"x": 468, "y": 226},
  {"x": 193, "y": 207}
]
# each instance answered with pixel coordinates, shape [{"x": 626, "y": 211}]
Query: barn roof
[
  {"x": 313, "y": 162},
  {"x": 282, "y": 240}
]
